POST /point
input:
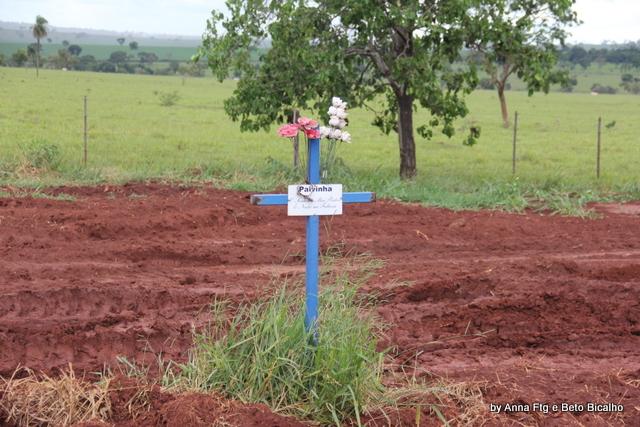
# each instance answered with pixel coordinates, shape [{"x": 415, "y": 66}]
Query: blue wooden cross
[{"x": 313, "y": 230}]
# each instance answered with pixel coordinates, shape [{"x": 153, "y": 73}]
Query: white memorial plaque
[{"x": 314, "y": 199}]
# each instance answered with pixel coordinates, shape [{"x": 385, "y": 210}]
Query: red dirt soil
[
  {"x": 539, "y": 308},
  {"x": 157, "y": 408}
]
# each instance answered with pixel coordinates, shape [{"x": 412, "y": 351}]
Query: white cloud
[{"x": 614, "y": 20}]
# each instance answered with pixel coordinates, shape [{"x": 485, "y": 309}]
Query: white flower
[
  {"x": 337, "y": 114},
  {"x": 334, "y": 122},
  {"x": 324, "y": 131}
]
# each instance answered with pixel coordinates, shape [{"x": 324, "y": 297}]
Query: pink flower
[
  {"x": 289, "y": 131},
  {"x": 312, "y": 133},
  {"x": 307, "y": 122}
]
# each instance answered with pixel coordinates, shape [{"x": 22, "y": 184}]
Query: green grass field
[
  {"x": 102, "y": 52},
  {"x": 132, "y": 137}
]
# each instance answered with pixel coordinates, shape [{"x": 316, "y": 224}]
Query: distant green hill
[
  {"x": 103, "y": 51},
  {"x": 20, "y": 32}
]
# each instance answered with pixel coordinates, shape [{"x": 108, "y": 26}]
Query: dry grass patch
[
  {"x": 451, "y": 402},
  {"x": 36, "y": 400}
]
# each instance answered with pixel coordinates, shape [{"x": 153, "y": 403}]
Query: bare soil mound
[
  {"x": 137, "y": 405},
  {"x": 541, "y": 308}
]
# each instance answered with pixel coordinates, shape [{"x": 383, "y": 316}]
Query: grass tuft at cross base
[{"x": 264, "y": 355}]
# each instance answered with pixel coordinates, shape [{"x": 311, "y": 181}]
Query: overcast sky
[{"x": 615, "y": 20}]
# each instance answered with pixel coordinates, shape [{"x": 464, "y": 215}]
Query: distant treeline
[
  {"x": 627, "y": 55},
  {"x": 139, "y": 62},
  {"x": 136, "y": 62}
]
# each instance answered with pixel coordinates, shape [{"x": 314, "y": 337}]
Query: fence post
[
  {"x": 598, "y": 147},
  {"x": 296, "y": 142},
  {"x": 515, "y": 136},
  {"x": 85, "y": 132}
]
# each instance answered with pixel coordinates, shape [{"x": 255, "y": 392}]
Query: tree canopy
[
  {"x": 148, "y": 57},
  {"x": 521, "y": 37},
  {"x": 19, "y": 57},
  {"x": 64, "y": 59},
  {"x": 74, "y": 49},
  {"x": 364, "y": 51}
]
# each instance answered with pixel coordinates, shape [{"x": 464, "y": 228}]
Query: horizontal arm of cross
[{"x": 282, "y": 199}]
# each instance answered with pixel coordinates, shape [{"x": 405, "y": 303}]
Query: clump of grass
[
  {"x": 40, "y": 155},
  {"x": 563, "y": 203},
  {"x": 168, "y": 99},
  {"x": 6, "y": 169},
  {"x": 37, "y": 400},
  {"x": 264, "y": 355}
]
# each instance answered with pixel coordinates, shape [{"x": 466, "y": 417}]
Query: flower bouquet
[{"x": 334, "y": 133}]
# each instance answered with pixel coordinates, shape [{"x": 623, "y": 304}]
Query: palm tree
[{"x": 39, "y": 31}]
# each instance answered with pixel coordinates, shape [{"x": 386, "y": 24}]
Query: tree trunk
[
  {"x": 405, "y": 137},
  {"x": 37, "y": 57},
  {"x": 503, "y": 107}
]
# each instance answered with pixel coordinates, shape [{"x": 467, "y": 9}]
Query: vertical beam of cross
[
  {"x": 313, "y": 241},
  {"x": 313, "y": 232}
]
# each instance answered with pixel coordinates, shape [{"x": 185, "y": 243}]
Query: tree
[
  {"x": 174, "y": 66},
  {"x": 65, "y": 43},
  {"x": 39, "y": 31},
  {"x": 133, "y": 45},
  {"x": 118, "y": 58},
  {"x": 402, "y": 52},
  {"x": 120, "y": 40},
  {"x": 147, "y": 57},
  {"x": 631, "y": 84},
  {"x": 64, "y": 59},
  {"x": 32, "y": 52},
  {"x": 570, "y": 84},
  {"x": 361, "y": 51},
  {"x": 2, "y": 60},
  {"x": 520, "y": 37},
  {"x": 19, "y": 57},
  {"x": 579, "y": 55},
  {"x": 190, "y": 69},
  {"x": 106, "y": 67},
  {"x": 87, "y": 63},
  {"x": 74, "y": 50}
]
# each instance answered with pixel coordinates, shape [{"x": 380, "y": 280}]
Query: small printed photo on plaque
[{"x": 314, "y": 199}]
